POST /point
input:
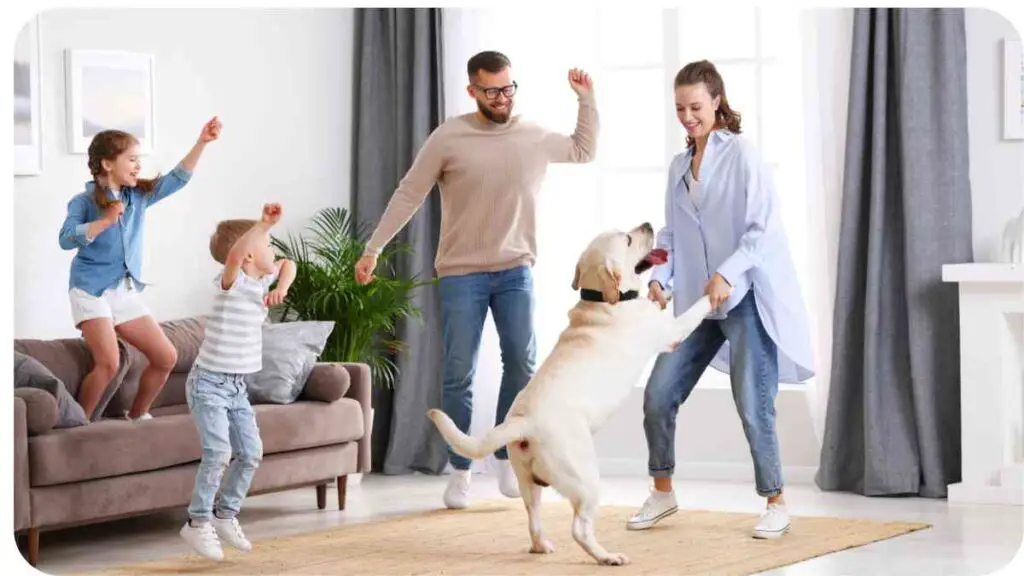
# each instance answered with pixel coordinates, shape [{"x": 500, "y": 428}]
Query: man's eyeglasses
[{"x": 492, "y": 93}]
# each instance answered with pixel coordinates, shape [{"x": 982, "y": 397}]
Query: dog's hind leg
[
  {"x": 584, "y": 494},
  {"x": 531, "y": 494},
  {"x": 538, "y": 543}
]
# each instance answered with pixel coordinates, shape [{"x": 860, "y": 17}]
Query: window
[
  {"x": 633, "y": 54},
  {"x": 758, "y": 55},
  {"x": 640, "y": 51}
]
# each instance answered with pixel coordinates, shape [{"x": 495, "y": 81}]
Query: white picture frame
[
  {"x": 1013, "y": 90},
  {"x": 27, "y": 127},
  {"x": 109, "y": 90}
]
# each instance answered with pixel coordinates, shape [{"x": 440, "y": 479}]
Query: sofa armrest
[
  {"x": 22, "y": 500},
  {"x": 361, "y": 391},
  {"x": 41, "y": 410}
]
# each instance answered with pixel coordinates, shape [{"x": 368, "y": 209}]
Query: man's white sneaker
[
  {"x": 230, "y": 531},
  {"x": 774, "y": 522},
  {"x": 456, "y": 495},
  {"x": 203, "y": 539},
  {"x": 659, "y": 505},
  {"x": 507, "y": 482}
]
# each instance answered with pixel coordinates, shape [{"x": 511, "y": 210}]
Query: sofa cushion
[
  {"x": 70, "y": 361},
  {"x": 30, "y": 373},
  {"x": 186, "y": 335},
  {"x": 290, "y": 350},
  {"x": 327, "y": 383},
  {"x": 40, "y": 410},
  {"x": 173, "y": 393},
  {"x": 303, "y": 425},
  {"x": 115, "y": 447}
]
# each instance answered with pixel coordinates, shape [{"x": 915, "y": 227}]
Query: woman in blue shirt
[
  {"x": 105, "y": 224},
  {"x": 725, "y": 239}
]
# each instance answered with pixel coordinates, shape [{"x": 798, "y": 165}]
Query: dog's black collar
[{"x": 596, "y": 296}]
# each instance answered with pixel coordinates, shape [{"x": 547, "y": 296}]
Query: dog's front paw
[
  {"x": 615, "y": 559},
  {"x": 542, "y": 547}
]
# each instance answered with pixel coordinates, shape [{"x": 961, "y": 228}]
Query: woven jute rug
[{"x": 492, "y": 538}]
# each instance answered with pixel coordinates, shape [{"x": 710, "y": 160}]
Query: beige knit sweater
[{"x": 489, "y": 175}]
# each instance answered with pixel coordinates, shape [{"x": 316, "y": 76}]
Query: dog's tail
[{"x": 512, "y": 429}]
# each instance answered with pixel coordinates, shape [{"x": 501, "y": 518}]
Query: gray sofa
[{"x": 113, "y": 468}]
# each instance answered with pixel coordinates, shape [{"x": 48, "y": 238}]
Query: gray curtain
[
  {"x": 893, "y": 420},
  {"x": 398, "y": 102}
]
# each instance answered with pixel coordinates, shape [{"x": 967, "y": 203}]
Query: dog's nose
[{"x": 646, "y": 227}]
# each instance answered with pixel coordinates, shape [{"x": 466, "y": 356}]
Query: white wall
[
  {"x": 997, "y": 170},
  {"x": 281, "y": 82}
]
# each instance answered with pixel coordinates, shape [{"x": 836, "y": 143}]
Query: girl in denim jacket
[{"x": 106, "y": 224}]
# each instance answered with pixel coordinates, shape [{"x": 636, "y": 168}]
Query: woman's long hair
[{"x": 705, "y": 72}]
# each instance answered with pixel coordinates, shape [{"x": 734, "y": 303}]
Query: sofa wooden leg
[
  {"x": 321, "y": 496},
  {"x": 33, "y": 546},
  {"x": 342, "y": 485}
]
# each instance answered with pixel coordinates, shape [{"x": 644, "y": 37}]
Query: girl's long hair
[{"x": 108, "y": 145}]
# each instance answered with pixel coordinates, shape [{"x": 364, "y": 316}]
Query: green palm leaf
[{"x": 365, "y": 317}]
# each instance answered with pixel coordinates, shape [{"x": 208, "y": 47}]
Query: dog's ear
[
  {"x": 576, "y": 279},
  {"x": 611, "y": 279}
]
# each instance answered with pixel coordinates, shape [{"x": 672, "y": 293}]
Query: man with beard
[{"x": 489, "y": 166}]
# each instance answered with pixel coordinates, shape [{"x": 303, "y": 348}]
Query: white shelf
[{"x": 979, "y": 272}]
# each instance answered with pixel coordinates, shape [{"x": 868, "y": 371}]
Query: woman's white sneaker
[
  {"x": 659, "y": 505},
  {"x": 203, "y": 539},
  {"x": 773, "y": 524}
]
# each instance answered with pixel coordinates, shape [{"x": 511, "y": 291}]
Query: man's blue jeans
[
  {"x": 464, "y": 303},
  {"x": 754, "y": 371}
]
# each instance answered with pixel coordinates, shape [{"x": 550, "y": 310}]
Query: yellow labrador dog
[{"x": 613, "y": 333}]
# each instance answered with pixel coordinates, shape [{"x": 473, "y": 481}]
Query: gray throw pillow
[
  {"x": 30, "y": 373},
  {"x": 290, "y": 350}
]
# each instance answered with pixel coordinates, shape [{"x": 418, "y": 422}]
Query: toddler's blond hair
[{"x": 228, "y": 232}]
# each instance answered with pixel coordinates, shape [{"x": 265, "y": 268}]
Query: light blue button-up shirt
[
  {"x": 735, "y": 229},
  {"x": 117, "y": 252}
]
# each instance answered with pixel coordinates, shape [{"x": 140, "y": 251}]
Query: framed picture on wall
[
  {"x": 28, "y": 153},
  {"x": 1013, "y": 90},
  {"x": 109, "y": 90}
]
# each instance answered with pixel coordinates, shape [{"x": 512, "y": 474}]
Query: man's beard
[{"x": 496, "y": 117}]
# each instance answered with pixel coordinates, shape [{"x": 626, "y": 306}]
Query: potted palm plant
[{"x": 325, "y": 289}]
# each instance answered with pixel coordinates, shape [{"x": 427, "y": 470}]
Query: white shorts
[{"x": 122, "y": 303}]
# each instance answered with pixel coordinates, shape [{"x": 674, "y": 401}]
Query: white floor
[{"x": 964, "y": 540}]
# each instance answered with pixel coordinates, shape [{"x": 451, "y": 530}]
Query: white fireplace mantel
[{"x": 991, "y": 382}]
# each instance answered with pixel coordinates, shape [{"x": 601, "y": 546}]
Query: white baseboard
[
  {"x": 967, "y": 493},
  {"x": 708, "y": 471}
]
